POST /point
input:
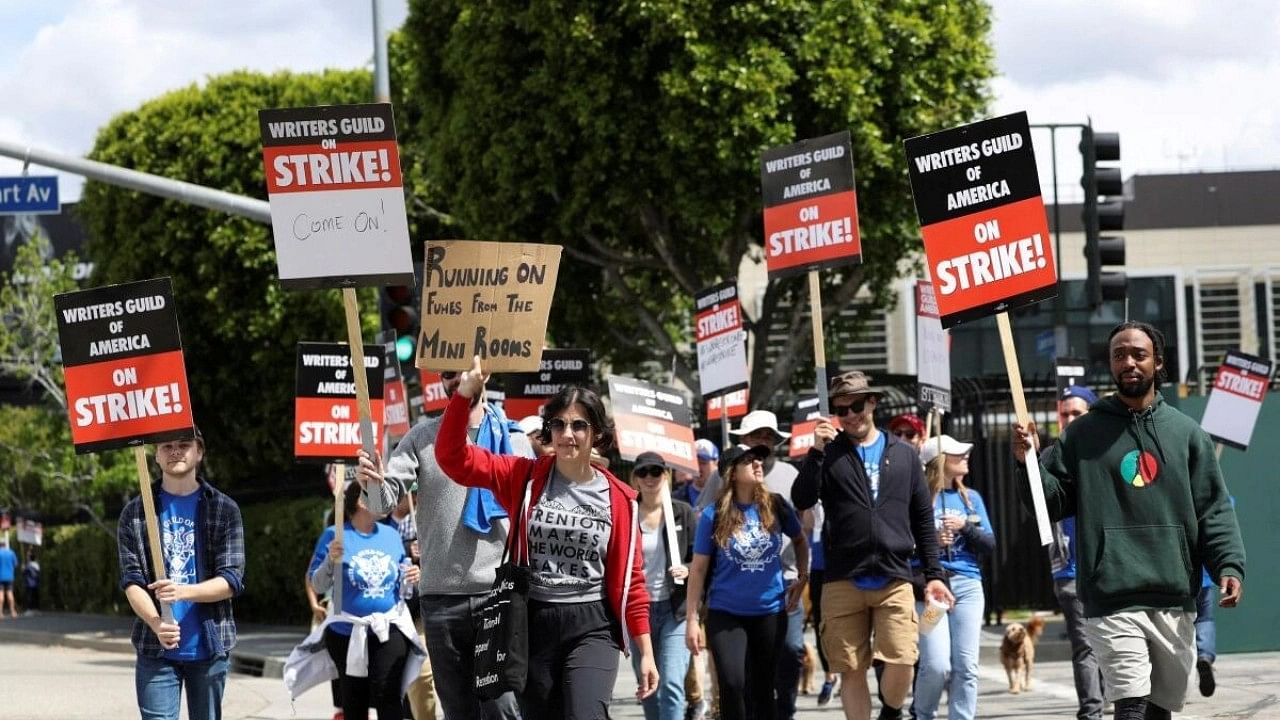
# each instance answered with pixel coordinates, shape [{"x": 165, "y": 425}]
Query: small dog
[
  {"x": 1018, "y": 652},
  {"x": 808, "y": 667}
]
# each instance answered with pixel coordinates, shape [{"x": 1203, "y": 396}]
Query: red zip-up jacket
[{"x": 504, "y": 475}]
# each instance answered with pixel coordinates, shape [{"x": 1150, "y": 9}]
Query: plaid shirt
[{"x": 221, "y": 533}]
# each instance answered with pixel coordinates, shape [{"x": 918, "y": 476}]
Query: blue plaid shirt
[{"x": 222, "y": 543}]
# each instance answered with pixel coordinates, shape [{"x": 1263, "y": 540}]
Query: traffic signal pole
[{"x": 1060, "y": 305}]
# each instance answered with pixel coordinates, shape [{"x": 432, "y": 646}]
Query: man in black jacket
[{"x": 878, "y": 511}]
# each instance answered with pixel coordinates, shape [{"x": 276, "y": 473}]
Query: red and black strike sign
[
  {"x": 652, "y": 418},
  {"x": 1236, "y": 400},
  {"x": 326, "y": 416},
  {"x": 810, "y": 208},
  {"x": 803, "y": 422},
  {"x": 527, "y": 392},
  {"x": 737, "y": 402},
  {"x": 123, "y": 364},
  {"x": 333, "y": 147},
  {"x": 985, "y": 233}
]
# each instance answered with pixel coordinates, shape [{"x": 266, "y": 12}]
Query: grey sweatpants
[{"x": 1146, "y": 653}]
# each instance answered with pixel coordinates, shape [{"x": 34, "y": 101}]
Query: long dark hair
[{"x": 590, "y": 401}]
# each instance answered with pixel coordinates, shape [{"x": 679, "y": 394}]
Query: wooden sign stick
[
  {"x": 153, "y": 526},
  {"x": 669, "y": 522},
  {"x": 819, "y": 343},
  {"x": 928, "y": 423},
  {"x": 1024, "y": 417},
  {"x": 339, "y": 507},
  {"x": 355, "y": 340}
]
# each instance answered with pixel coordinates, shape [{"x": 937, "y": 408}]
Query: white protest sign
[{"x": 1238, "y": 391}]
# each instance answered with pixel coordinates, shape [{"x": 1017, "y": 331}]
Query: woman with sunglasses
[
  {"x": 587, "y": 596},
  {"x": 965, "y": 537},
  {"x": 737, "y": 556},
  {"x": 665, "y": 583}
]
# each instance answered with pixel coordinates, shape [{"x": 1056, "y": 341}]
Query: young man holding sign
[
  {"x": 203, "y": 541},
  {"x": 1151, "y": 507}
]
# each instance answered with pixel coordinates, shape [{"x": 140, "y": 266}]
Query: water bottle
[{"x": 406, "y": 588}]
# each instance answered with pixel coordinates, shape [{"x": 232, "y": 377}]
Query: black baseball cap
[
  {"x": 649, "y": 459},
  {"x": 741, "y": 453}
]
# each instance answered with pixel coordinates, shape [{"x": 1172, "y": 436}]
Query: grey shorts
[{"x": 1145, "y": 653}]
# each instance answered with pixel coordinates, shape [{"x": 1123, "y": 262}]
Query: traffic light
[
  {"x": 399, "y": 305},
  {"x": 1103, "y": 211}
]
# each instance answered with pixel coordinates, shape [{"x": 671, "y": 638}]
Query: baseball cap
[
  {"x": 739, "y": 453},
  {"x": 908, "y": 419},
  {"x": 949, "y": 446},
  {"x": 649, "y": 459},
  {"x": 1078, "y": 391},
  {"x": 707, "y": 450}
]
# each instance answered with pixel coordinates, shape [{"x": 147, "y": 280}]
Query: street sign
[{"x": 29, "y": 195}]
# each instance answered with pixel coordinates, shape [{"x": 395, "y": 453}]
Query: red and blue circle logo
[{"x": 1139, "y": 469}]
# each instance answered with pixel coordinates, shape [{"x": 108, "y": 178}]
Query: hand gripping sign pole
[{"x": 153, "y": 526}]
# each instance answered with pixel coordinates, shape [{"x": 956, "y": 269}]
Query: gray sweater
[{"x": 456, "y": 560}]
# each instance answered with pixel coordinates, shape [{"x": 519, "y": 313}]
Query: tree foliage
[
  {"x": 239, "y": 328},
  {"x": 630, "y": 132}
]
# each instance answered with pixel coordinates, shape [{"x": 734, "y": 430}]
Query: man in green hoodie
[{"x": 1151, "y": 507}]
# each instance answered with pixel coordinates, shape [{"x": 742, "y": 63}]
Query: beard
[{"x": 1134, "y": 389}]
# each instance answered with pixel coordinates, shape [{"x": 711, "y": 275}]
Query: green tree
[
  {"x": 239, "y": 327},
  {"x": 630, "y": 132}
]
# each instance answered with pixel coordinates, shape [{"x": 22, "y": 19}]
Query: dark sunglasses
[
  {"x": 855, "y": 407},
  {"x": 448, "y": 375},
  {"x": 648, "y": 471},
  {"x": 557, "y": 426},
  {"x": 905, "y": 434}
]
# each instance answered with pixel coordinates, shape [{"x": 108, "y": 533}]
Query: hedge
[{"x": 80, "y": 572}]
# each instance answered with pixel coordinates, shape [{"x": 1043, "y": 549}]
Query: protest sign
[
  {"x": 650, "y": 417},
  {"x": 433, "y": 397},
  {"x": 810, "y": 209},
  {"x": 325, "y": 413},
  {"x": 489, "y": 299},
  {"x": 1239, "y": 388},
  {"x": 986, "y": 237},
  {"x": 721, "y": 341},
  {"x": 123, "y": 364},
  {"x": 30, "y": 532},
  {"x": 395, "y": 413},
  {"x": 804, "y": 420},
  {"x": 736, "y": 401},
  {"x": 337, "y": 197},
  {"x": 1069, "y": 371},
  {"x": 526, "y": 393},
  {"x": 933, "y": 352}
]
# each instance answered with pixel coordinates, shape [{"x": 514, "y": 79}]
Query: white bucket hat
[
  {"x": 759, "y": 419},
  {"x": 950, "y": 446}
]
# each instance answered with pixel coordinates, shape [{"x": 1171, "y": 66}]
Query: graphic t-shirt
[
  {"x": 569, "y": 532},
  {"x": 8, "y": 563},
  {"x": 746, "y": 577},
  {"x": 871, "y": 456},
  {"x": 960, "y": 558},
  {"x": 182, "y": 546},
  {"x": 370, "y": 569}
]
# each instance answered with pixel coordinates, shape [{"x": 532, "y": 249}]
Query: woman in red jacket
[{"x": 587, "y": 598}]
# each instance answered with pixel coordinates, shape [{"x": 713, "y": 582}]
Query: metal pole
[
  {"x": 184, "y": 192},
  {"x": 1060, "y": 302},
  {"x": 381, "y": 75}
]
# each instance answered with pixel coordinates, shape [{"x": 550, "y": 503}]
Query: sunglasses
[
  {"x": 648, "y": 471},
  {"x": 905, "y": 434},
  {"x": 855, "y": 407},
  {"x": 448, "y": 375},
  {"x": 579, "y": 427}
]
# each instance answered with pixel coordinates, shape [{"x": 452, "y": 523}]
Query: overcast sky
[{"x": 1189, "y": 84}]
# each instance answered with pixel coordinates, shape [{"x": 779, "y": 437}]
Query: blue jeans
[
  {"x": 952, "y": 648},
  {"x": 666, "y": 632},
  {"x": 159, "y": 683},
  {"x": 1206, "y": 631}
]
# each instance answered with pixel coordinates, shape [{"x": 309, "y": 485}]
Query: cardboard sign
[
  {"x": 526, "y": 393},
  {"x": 337, "y": 198},
  {"x": 810, "y": 209},
  {"x": 326, "y": 423},
  {"x": 30, "y": 532},
  {"x": 122, "y": 358},
  {"x": 986, "y": 236},
  {"x": 721, "y": 341},
  {"x": 489, "y": 299},
  {"x": 933, "y": 352},
  {"x": 654, "y": 418},
  {"x": 804, "y": 420},
  {"x": 738, "y": 404},
  {"x": 1238, "y": 391},
  {"x": 1069, "y": 371},
  {"x": 395, "y": 413}
]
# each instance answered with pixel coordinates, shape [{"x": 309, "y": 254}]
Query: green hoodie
[{"x": 1150, "y": 503}]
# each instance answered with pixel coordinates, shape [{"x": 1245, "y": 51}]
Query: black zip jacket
[{"x": 862, "y": 539}]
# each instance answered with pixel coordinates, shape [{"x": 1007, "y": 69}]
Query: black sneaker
[
  {"x": 824, "y": 695},
  {"x": 1207, "y": 683},
  {"x": 888, "y": 713}
]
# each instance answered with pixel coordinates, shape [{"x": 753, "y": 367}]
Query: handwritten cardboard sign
[
  {"x": 721, "y": 341},
  {"x": 986, "y": 236},
  {"x": 810, "y": 208},
  {"x": 122, "y": 358},
  {"x": 933, "y": 351},
  {"x": 326, "y": 424},
  {"x": 1238, "y": 391},
  {"x": 652, "y": 418},
  {"x": 489, "y": 299},
  {"x": 337, "y": 197}
]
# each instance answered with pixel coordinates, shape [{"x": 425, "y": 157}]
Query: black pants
[
  {"x": 381, "y": 690},
  {"x": 816, "y": 579},
  {"x": 746, "y": 651},
  {"x": 573, "y": 662}
]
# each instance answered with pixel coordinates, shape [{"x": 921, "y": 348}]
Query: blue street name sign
[{"x": 29, "y": 195}]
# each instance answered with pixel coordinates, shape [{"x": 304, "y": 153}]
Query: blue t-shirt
[
  {"x": 746, "y": 578},
  {"x": 182, "y": 546},
  {"x": 370, "y": 569},
  {"x": 8, "y": 563},
  {"x": 871, "y": 456},
  {"x": 960, "y": 558},
  {"x": 1068, "y": 571}
]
